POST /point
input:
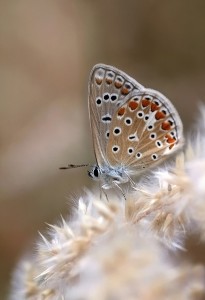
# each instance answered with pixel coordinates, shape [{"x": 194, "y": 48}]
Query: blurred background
[{"x": 47, "y": 49}]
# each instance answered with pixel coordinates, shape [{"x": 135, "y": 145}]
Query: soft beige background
[{"x": 47, "y": 49}]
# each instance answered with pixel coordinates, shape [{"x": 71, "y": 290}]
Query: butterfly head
[
  {"x": 108, "y": 176},
  {"x": 95, "y": 173}
]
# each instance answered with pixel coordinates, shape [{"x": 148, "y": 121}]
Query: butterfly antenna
[{"x": 73, "y": 167}]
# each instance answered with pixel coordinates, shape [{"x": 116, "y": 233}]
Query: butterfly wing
[
  {"x": 108, "y": 90},
  {"x": 144, "y": 130}
]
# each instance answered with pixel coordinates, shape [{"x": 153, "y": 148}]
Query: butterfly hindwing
[
  {"x": 144, "y": 130},
  {"x": 109, "y": 88}
]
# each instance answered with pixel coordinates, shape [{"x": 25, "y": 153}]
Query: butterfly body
[
  {"x": 133, "y": 128},
  {"x": 109, "y": 176}
]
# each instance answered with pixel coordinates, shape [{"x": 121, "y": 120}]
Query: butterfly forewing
[
  {"x": 109, "y": 89},
  {"x": 143, "y": 131}
]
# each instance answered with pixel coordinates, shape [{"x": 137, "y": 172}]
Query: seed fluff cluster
[{"x": 129, "y": 249}]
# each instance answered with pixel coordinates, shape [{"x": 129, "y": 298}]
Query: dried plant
[{"x": 121, "y": 249}]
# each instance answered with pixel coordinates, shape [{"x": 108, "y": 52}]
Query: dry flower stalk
[{"x": 119, "y": 249}]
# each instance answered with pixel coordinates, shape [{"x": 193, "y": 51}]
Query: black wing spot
[{"x": 106, "y": 119}]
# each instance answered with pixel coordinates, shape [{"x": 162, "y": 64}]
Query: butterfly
[{"x": 133, "y": 127}]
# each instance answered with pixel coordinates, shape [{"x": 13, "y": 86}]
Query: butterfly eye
[{"x": 94, "y": 173}]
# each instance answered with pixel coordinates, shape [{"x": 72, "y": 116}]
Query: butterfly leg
[
  {"x": 131, "y": 181},
  {"x": 102, "y": 191},
  {"x": 106, "y": 196},
  {"x": 121, "y": 191}
]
